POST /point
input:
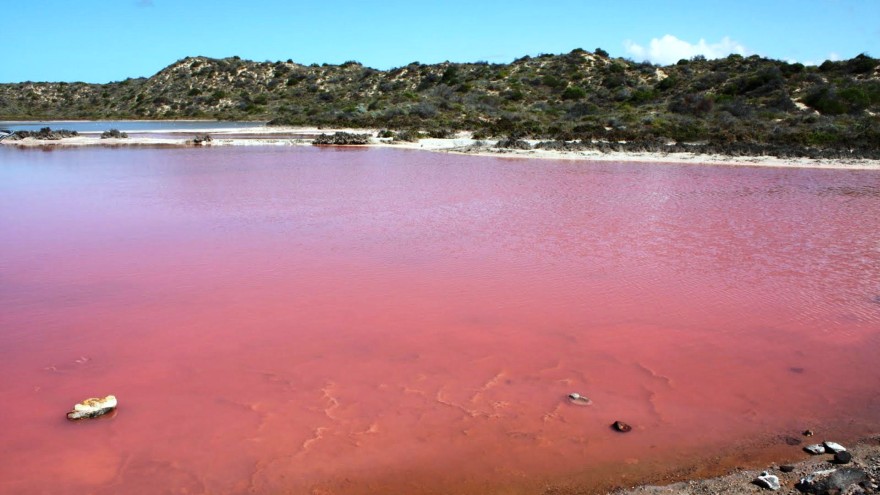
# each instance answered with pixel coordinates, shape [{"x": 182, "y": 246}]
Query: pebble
[
  {"x": 579, "y": 400},
  {"x": 621, "y": 426},
  {"x": 767, "y": 480},
  {"x": 808, "y": 433},
  {"x": 834, "y": 447},
  {"x": 787, "y": 468},
  {"x": 842, "y": 457},
  {"x": 815, "y": 449}
]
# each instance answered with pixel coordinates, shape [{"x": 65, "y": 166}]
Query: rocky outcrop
[{"x": 832, "y": 480}]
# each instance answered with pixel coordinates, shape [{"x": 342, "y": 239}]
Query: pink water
[{"x": 298, "y": 320}]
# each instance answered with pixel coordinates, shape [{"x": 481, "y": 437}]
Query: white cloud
[{"x": 669, "y": 49}]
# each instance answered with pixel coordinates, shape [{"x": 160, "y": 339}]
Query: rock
[
  {"x": 815, "y": 449},
  {"x": 578, "y": 399},
  {"x": 842, "y": 457},
  {"x": 831, "y": 480},
  {"x": 833, "y": 447},
  {"x": 787, "y": 468},
  {"x": 808, "y": 433},
  {"x": 621, "y": 427},
  {"x": 91, "y": 408},
  {"x": 767, "y": 480}
]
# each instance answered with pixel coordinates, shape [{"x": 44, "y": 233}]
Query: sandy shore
[{"x": 461, "y": 143}]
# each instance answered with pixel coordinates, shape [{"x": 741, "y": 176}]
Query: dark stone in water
[
  {"x": 797, "y": 370},
  {"x": 621, "y": 427},
  {"x": 842, "y": 457},
  {"x": 787, "y": 468},
  {"x": 808, "y": 433},
  {"x": 790, "y": 440}
]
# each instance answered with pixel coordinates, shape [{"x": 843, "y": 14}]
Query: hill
[{"x": 577, "y": 95}]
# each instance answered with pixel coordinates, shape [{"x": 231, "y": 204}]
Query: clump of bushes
[
  {"x": 45, "y": 134},
  {"x": 114, "y": 134},
  {"x": 201, "y": 139},
  {"x": 408, "y": 136},
  {"x": 341, "y": 139},
  {"x": 513, "y": 144}
]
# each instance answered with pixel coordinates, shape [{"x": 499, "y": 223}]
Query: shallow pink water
[{"x": 298, "y": 320}]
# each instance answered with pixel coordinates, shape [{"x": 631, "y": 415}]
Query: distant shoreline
[{"x": 461, "y": 143}]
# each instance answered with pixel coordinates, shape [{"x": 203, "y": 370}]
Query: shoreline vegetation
[
  {"x": 461, "y": 143},
  {"x": 737, "y": 106}
]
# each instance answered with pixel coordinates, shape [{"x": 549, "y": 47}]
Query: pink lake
[{"x": 331, "y": 321}]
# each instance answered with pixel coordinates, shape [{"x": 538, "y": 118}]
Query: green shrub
[
  {"x": 113, "y": 133},
  {"x": 574, "y": 93},
  {"x": 828, "y": 100},
  {"x": 552, "y": 81}
]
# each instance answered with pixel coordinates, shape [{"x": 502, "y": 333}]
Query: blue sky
[{"x": 109, "y": 40}]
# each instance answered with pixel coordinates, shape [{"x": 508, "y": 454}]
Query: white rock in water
[
  {"x": 93, "y": 407},
  {"x": 815, "y": 449},
  {"x": 834, "y": 447},
  {"x": 767, "y": 480}
]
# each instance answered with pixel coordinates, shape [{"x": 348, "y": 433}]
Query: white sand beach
[{"x": 461, "y": 143}]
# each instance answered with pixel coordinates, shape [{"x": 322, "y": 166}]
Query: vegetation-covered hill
[{"x": 578, "y": 95}]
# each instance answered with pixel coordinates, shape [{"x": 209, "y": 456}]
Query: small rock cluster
[
  {"x": 824, "y": 481},
  {"x": 841, "y": 456}
]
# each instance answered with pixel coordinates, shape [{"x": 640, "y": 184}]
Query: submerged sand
[{"x": 462, "y": 142}]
